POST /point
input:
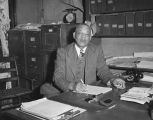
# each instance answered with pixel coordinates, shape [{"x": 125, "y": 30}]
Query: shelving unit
[{"x": 121, "y": 18}]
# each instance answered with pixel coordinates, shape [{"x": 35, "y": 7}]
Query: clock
[{"x": 70, "y": 16}]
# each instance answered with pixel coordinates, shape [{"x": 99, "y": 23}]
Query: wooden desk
[
  {"x": 131, "y": 68},
  {"x": 122, "y": 111}
]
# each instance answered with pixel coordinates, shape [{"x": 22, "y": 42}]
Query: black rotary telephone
[{"x": 132, "y": 76}]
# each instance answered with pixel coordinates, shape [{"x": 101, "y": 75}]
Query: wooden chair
[{"x": 11, "y": 92}]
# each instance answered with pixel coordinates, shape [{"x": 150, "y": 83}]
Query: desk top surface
[{"x": 121, "y": 110}]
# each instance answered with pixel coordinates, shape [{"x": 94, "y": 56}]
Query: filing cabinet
[
  {"x": 26, "y": 46},
  {"x": 111, "y": 25},
  {"x": 50, "y": 36},
  {"x": 140, "y": 8},
  {"x": 16, "y": 46},
  {"x": 53, "y": 37},
  {"x": 36, "y": 50},
  {"x": 134, "y": 24}
]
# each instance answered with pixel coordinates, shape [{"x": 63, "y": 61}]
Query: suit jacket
[{"x": 65, "y": 66}]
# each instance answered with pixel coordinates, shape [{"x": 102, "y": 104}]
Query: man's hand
[
  {"x": 119, "y": 83},
  {"x": 80, "y": 87}
]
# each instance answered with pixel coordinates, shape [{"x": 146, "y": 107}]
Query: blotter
[{"x": 50, "y": 110}]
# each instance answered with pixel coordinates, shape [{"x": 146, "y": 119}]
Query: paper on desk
[
  {"x": 140, "y": 101},
  {"x": 147, "y": 78},
  {"x": 96, "y": 90},
  {"x": 143, "y": 54},
  {"x": 145, "y": 64},
  {"x": 48, "y": 109},
  {"x": 137, "y": 94}
]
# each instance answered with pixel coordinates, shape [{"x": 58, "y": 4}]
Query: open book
[{"x": 50, "y": 110}]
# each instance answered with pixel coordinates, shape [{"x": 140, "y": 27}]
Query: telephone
[{"x": 132, "y": 76}]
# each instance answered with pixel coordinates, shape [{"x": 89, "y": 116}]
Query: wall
[
  {"x": 44, "y": 11},
  {"x": 126, "y": 46},
  {"x": 28, "y": 11},
  {"x": 53, "y": 10}
]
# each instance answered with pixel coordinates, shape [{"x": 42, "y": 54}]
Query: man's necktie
[{"x": 81, "y": 53}]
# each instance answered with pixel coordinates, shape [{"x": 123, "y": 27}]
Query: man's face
[{"x": 82, "y": 36}]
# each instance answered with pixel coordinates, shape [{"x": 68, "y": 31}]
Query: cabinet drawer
[
  {"x": 32, "y": 37},
  {"x": 34, "y": 49},
  {"x": 50, "y": 28},
  {"x": 33, "y": 60}
]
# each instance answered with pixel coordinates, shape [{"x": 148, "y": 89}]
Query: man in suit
[{"x": 81, "y": 62}]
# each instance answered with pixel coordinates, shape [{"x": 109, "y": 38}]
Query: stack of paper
[
  {"x": 147, "y": 77},
  {"x": 143, "y": 54},
  {"x": 122, "y": 61},
  {"x": 51, "y": 110},
  {"x": 137, "y": 94},
  {"x": 145, "y": 64}
]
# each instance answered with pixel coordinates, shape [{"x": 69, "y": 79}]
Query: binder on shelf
[
  {"x": 114, "y": 29},
  {"x": 138, "y": 23},
  {"x": 93, "y": 6},
  {"x": 121, "y": 5},
  {"x": 130, "y": 23},
  {"x": 99, "y": 22},
  {"x": 106, "y": 25},
  {"x": 142, "y": 4},
  {"x": 110, "y": 6},
  {"x": 121, "y": 24},
  {"x": 101, "y": 6},
  {"x": 148, "y": 23}
]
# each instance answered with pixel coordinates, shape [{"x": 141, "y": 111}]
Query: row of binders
[
  {"x": 109, "y": 6},
  {"x": 138, "y": 23}
]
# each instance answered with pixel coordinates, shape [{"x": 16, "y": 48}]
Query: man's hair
[{"x": 81, "y": 25}]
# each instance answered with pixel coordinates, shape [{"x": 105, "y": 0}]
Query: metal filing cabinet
[{"x": 26, "y": 46}]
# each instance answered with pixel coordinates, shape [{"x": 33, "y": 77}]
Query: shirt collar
[{"x": 78, "y": 49}]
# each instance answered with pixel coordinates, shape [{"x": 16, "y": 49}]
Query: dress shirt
[{"x": 78, "y": 50}]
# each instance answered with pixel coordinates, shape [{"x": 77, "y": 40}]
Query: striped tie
[{"x": 81, "y": 53}]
